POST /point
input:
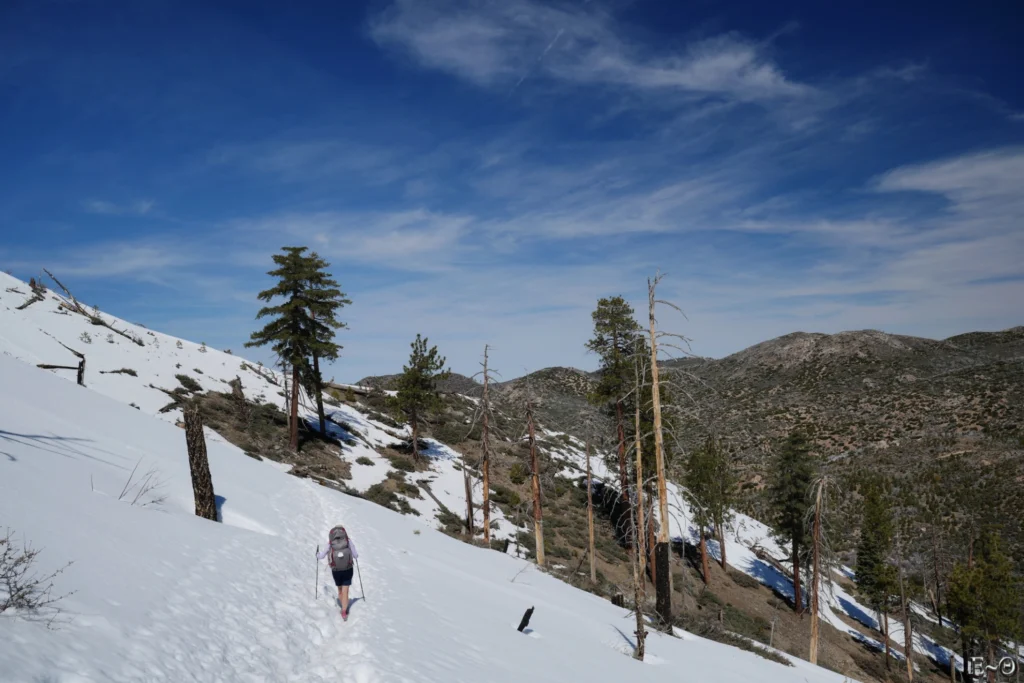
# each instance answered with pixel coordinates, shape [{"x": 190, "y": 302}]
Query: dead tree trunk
[
  {"x": 705, "y": 571},
  {"x": 721, "y": 542},
  {"x": 319, "y": 387},
  {"x": 640, "y": 531},
  {"x": 469, "y": 496},
  {"x": 413, "y": 419},
  {"x": 590, "y": 520},
  {"x": 885, "y": 636},
  {"x": 538, "y": 513},
  {"x": 663, "y": 586},
  {"x": 486, "y": 465},
  {"x": 293, "y": 442},
  {"x": 202, "y": 483},
  {"x": 908, "y": 635},
  {"x": 623, "y": 471},
  {"x": 798, "y": 601},
  {"x": 816, "y": 576}
]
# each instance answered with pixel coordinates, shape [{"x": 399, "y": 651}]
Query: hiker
[{"x": 341, "y": 553}]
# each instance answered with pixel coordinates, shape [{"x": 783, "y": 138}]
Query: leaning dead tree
[
  {"x": 199, "y": 465},
  {"x": 75, "y": 306},
  {"x": 80, "y": 367}
]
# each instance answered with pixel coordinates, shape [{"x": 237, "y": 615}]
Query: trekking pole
[
  {"x": 362, "y": 589},
  {"x": 316, "y": 586}
]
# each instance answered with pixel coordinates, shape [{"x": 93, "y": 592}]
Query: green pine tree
[
  {"x": 615, "y": 330},
  {"x": 417, "y": 385},
  {"x": 323, "y": 300},
  {"x": 699, "y": 481},
  {"x": 875, "y": 576},
  {"x": 289, "y": 333},
  {"x": 984, "y": 597},
  {"x": 790, "y": 487}
]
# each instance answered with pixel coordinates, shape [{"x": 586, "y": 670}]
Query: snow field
[{"x": 162, "y": 595}]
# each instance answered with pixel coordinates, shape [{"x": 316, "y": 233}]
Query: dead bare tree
[
  {"x": 639, "y": 528},
  {"x": 80, "y": 367},
  {"x": 663, "y": 585},
  {"x": 485, "y": 442},
  {"x": 93, "y": 316},
  {"x": 823, "y": 558},
  {"x": 199, "y": 465},
  {"x": 908, "y": 635},
  {"x": 590, "y": 521},
  {"x": 538, "y": 513}
]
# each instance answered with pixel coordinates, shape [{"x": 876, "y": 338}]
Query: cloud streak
[{"x": 498, "y": 44}]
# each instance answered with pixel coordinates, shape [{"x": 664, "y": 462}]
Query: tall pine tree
[
  {"x": 791, "y": 479},
  {"x": 615, "y": 329},
  {"x": 417, "y": 385},
  {"x": 323, "y": 299},
  {"x": 289, "y": 333}
]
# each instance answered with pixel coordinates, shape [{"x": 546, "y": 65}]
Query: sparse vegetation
[
  {"x": 190, "y": 384},
  {"x": 363, "y": 460},
  {"x": 24, "y": 592}
]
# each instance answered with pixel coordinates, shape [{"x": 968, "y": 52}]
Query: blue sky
[{"x": 484, "y": 171}]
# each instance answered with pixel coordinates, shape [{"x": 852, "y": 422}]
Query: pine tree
[
  {"x": 289, "y": 333},
  {"x": 699, "y": 480},
  {"x": 417, "y": 385},
  {"x": 790, "y": 496},
  {"x": 876, "y": 577},
  {"x": 615, "y": 329},
  {"x": 984, "y": 597},
  {"x": 324, "y": 299}
]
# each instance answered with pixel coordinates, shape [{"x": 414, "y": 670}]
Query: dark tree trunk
[
  {"x": 318, "y": 385},
  {"x": 705, "y": 572},
  {"x": 938, "y": 593},
  {"x": 486, "y": 483},
  {"x": 798, "y": 603},
  {"x": 294, "y": 436},
  {"x": 623, "y": 472},
  {"x": 81, "y": 372},
  {"x": 415, "y": 435},
  {"x": 469, "y": 497},
  {"x": 885, "y": 636},
  {"x": 202, "y": 483},
  {"x": 663, "y": 590}
]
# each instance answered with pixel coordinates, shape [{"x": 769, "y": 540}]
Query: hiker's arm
[
  {"x": 352, "y": 547},
  {"x": 321, "y": 555}
]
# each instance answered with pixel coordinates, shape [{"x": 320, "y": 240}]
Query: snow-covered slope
[
  {"x": 40, "y": 332},
  {"x": 161, "y": 595}
]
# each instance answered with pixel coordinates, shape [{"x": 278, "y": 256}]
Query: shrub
[
  {"x": 363, "y": 460},
  {"x": 27, "y": 593},
  {"x": 743, "y": 580},
  {"x": 122, "y": 371},
  {"x": 197, "y": 371},
  {"x": 502, "y": 495},
  {"x": 449, "y": 522},
  {"x": 350, "y": 395},
  {"x": 85, "y": 338},
  {"x": 409, "y": 489},
  {"x": 518, "y": 473},
  {"x": 178, "y": 344},
  {"x": 202, "y": 347},
  {"x": 403, "y": 464},
  {"x": 189, "y": 383}
]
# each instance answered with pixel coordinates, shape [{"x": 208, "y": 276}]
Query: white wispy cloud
[
  {"x": 137, "y": 208},
  {"x": 499, "y": 44}
]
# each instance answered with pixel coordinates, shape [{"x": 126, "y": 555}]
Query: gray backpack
[{"x": 341, "y": 555}]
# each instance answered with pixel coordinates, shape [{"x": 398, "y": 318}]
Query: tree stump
[{"x": 202, "y": 483}]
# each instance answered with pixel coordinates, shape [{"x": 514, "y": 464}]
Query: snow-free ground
[{"x": 161, "y": 595}]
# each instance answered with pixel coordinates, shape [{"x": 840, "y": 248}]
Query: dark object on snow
[
  {"x": 526, "y": 619},
  {"x": 504, "y": 548},
  {"x": 619, "y": 600},
  {"x": 202, "y": 483}
]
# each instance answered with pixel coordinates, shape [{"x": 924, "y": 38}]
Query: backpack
[{"x": 340, "y": 557}]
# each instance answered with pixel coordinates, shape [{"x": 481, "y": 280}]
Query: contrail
[{"x": 539, "y": 60}]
